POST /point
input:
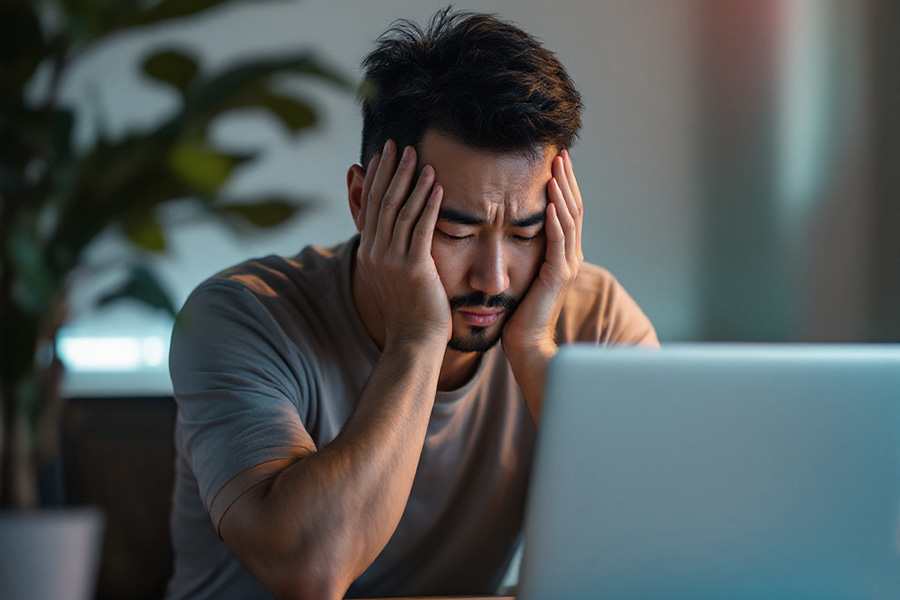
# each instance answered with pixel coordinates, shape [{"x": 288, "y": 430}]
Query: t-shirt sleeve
[
  {"x": 599, "y": 310},
  {"x": 239, "y": 388}
]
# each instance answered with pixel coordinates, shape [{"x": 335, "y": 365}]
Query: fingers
[
  {"x": 381, "y": 169},
  {"x": 423, "y": 234},
  {"x": 570, "y": 178},
  {"x": 409, "y": 214},
  {"x": 563, "y": 216},
  {"x": 395, "y": 197},
  {"x": 367, "y": 186},
  {"x": 564, "y": 193},
  {"x": 392, "y": 211},
  {"x": 556, "y": 237}
]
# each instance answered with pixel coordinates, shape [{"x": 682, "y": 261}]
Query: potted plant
[{"x": 56, "y": 198}]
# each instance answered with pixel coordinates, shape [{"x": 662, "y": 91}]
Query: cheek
[
  {"x": 449, "y": 265},
  {"x": 524, "y": 265}
]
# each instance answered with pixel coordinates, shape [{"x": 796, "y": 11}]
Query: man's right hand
[{"x": 394, "y": 256}]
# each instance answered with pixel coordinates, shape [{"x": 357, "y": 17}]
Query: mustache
[{"x": 476, "y": 298}]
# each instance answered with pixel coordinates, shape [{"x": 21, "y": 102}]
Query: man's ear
[{"x": 355, "y": 177}]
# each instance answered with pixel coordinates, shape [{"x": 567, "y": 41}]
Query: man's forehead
[
  {"x": 474, "y": 209},
  {"x": 481, "y": 182}
]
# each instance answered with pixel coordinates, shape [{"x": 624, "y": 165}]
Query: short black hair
[{"x": 472, "y": 77}]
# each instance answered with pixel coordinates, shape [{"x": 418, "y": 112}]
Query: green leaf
[
  {"x": 145, "y": 232},
  {"x": 37, "y": 282},
  {"x": 142, "y": 285},
  {"x": 367, "y": 90},
  {"x": 62, "y": 124},
  {"x": 201, "y": 167},
  {"x": 244, "y": 86},
  {"x": 268, "y": 212},
  {"x": 132, "y": 174},
  {"x": 173, "y": 68},
  {"x": 90, "y": 21},
  {"x": 173, "y": 9},
  {"x": 293, "y": 114}
]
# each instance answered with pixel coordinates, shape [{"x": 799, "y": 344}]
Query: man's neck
[{"x": 457, "y": 367}]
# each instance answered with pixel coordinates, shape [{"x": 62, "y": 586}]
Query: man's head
[
  {"x": 471, "y": 77},
  {"x": 488, "y": 108}
]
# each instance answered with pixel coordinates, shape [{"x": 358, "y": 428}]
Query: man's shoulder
[
  {"x": 598, "y": 309},
  {"x": 593, "y": 282},
  {"x": 275, "y": 275}
]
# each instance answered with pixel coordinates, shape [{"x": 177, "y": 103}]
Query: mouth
[{"x": 480, "y": 317}]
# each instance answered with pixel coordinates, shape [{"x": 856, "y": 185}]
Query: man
[{"x": 347, "y": 420}]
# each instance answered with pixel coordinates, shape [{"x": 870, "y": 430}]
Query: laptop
[{"x": 723, "y": 472}]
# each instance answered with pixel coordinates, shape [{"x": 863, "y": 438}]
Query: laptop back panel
[{"x": 716, "y": 471}]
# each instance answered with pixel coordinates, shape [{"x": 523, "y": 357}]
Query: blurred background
[{"x": 740, "y": 161}]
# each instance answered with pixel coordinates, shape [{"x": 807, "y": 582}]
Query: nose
[{"x": 489, "y": 272}]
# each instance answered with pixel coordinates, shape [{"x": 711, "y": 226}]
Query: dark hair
[{"x": 481, "y": 81}]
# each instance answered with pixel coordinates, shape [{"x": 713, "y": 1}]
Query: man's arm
[
  {"x": 528, "y": 337},
  {"x": 314, "y": 527}
]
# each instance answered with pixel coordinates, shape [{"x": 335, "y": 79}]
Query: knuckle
[{"x": 388, "y": 204}]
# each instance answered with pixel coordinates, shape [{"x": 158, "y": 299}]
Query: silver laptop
[{"x": 719, "y": 472}]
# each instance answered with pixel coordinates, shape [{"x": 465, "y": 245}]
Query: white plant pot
[{"x": 50, "y": 554}]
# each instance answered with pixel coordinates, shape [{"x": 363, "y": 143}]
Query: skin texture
[{"x": 452, "y": 223}]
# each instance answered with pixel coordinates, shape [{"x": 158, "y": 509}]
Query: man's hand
[
  {"x": 528, "y": 337},
  {"x": 394, "y": 256}
]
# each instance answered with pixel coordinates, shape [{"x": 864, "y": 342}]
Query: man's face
[{"x": 489, "y": 241}]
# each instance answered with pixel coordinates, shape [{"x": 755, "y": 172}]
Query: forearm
[
  {"x": 314, "y": 528},
  {"x": 529, "y": 368}
]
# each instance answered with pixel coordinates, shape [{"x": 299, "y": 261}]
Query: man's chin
[{"x": 479, "y": 339}]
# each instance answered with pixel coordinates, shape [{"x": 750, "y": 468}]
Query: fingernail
[
  {"x": 426, "y": 171},
  {"x": 407, "y": 154},
  {"x": 387, "y": 147}
]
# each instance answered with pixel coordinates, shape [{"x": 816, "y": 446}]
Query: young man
[{"x": 360, "y": 420}]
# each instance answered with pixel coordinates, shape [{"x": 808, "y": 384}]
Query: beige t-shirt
[{"x": 271, "y": 356}]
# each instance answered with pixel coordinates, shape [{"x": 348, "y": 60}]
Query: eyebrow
[{"x": 462, "y": 218}]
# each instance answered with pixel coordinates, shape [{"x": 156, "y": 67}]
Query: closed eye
[
  {"x": 527, "y": 238},
  {"x": 455, "y": 238}
]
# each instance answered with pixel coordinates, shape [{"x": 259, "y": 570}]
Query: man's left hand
[{"x": 528, "y": 337}]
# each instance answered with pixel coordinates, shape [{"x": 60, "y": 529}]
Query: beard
[{"x": 480, "y": 339}]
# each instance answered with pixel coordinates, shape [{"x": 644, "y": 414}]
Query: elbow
[
  {"x": 292, "y": 571},
  {"x": 293, "y": 561},
  {"x": 310, "y": 584}
]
